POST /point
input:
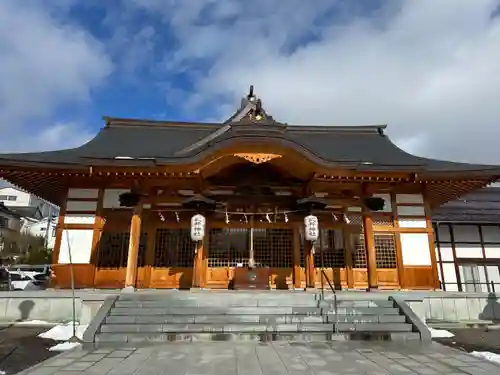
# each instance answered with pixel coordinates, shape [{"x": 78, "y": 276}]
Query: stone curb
[
  {"x": 412, "y": 318},
  {"x": 95, "y": 324}
]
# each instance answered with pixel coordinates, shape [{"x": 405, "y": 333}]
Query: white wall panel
[
  {"x": 83, "y": 193},
  {"x": 81, "y": 206},
  {"x": 411, "y": 210},
  {"x": 111, "y": 198},
  {"x": 466, "y": 233},
  {"x": 76, "y": 218},
  {"x": 387, "y": 200},
  {"x": 491, "y": 233},
  {"x": 410, "y": 198},
  {"x": 492, "y": 251},
  {"x": 412, "y": 223},
  {"x": 446, "y": 253},
  {"x": 415, "y": 249},
  {"x": 468, "y": 251},
  {"x": 79, "y": 242},
  {"x": 449, "y": 273}
]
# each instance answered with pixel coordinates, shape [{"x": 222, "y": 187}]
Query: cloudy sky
[{"x": 429, "y": 69}]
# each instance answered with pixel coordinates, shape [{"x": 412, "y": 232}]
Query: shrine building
[{"x": 158, "y": 204}]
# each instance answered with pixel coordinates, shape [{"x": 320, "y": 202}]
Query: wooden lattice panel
[
  {"x": 329, "y": 250},
  {"x": 113, "y": 250},
  {"x": 273, "y": 247},
  {"x": 228, "y": 247},
  {"x": 173, "y": 248},
  {"x": 239, "y": 245},
  {"x": 331, "y": 242},
  {"x": 385, "y": 250},
  {"x": 359, "y": 255},
  {"x": 383, "y": 220}
]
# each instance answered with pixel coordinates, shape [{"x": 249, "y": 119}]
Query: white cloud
[
  {"x": 44, "y": 63},
  {"x": 430, "y": 69}
]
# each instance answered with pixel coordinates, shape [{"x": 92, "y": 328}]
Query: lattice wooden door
[
  {"x": 228, "y": 248},
  {"x": 173, "y": 259},
  {"x": 111, "y": 260}
]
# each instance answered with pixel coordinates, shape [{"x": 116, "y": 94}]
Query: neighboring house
[
  {"x": 40, "y": 229},
  {"x": 26, "y": 204},
  {"x": 10, "y": 222},
  {"x": 31, "y": 212},
  {"x": 467, "y": 238}
]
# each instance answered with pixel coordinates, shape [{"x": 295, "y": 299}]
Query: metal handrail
[{"x": 335, "y": 308}]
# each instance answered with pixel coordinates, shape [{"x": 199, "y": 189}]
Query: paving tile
[{"x": 273, "y": 358}]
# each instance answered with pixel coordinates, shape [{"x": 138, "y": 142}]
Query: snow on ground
[
  {"x": 63, "y": 332},
  {"x": 63, "y": 346},
  {"x": 440, "y": 333},
  {"x": 2, "y": 372},
  {"x": 487, "y": 355},
  {"x": 34, "y": 323}
]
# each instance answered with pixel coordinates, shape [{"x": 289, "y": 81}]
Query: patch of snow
[
  {"x": 63, "y": 332},
  {"x": 63, "y": 346},
  {"x": 440, "y": 333},
  {"x": 34, "y": 323},
  {"x": 487, "y": 355},
  {"x": 2, "y": 372}
]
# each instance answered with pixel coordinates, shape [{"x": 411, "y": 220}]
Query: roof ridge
[{"x": 112, "y": 122}]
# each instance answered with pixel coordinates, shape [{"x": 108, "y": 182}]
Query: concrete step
[
  {"x": 356, "y": 303},
  {"x": 137, "y": 339},
  {"x": 374, "y": 327},
  {"x": 297, "y": 310},
  {"x": 123, "y": 340},
  {"x": 216, "y": 311},
  {"x": 214, "y": 328},
  {"x": 219, "y": 303},
  {"x": 236, "y": 319},
  {"x": 227, "y": 296},
  {"x": 289, "y": 302}
]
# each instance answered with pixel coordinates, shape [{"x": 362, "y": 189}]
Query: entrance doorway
[{"x": 230, "y": 248}]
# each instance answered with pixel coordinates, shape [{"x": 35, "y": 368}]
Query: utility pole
[{"x": 49, "y": 226}]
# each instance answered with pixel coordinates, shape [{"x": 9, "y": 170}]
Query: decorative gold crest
[{"x": 258, "y": 158}]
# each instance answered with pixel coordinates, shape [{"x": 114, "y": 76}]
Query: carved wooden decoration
[{"x": 258, "y": 158}]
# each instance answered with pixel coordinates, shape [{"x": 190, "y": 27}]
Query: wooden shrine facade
[
  {"x": 98, "y": 231},
  {"x": 255, "y": 169}
]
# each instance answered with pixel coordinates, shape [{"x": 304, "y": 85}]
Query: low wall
[
  {"x": 53, "y": 306},
  {"x": 456, "y": 307}
]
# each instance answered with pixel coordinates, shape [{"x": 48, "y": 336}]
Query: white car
[{"x": 23, "y": 282}]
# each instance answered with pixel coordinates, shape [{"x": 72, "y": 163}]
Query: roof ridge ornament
[{"x": 251, "y": 110}]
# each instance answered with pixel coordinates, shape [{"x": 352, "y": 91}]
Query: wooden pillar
[
  {"x": 371, "y": 260},
  {"x": 349, "y": 255},
  {"x": 133, "y": 247},
  {"x": 297, "y": 282},
  {"x": 310, "y": 271},
  {"x": 198, "y": 265}
]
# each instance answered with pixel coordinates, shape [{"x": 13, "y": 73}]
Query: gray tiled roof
[{"x": 137, "y": 142}]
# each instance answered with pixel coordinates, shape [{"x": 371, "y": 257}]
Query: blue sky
[{"x": 427, "y": 68}]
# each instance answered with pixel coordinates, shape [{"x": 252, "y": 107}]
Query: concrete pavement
[{"x": 272, "y": 358}]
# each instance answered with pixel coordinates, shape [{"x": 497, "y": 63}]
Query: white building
[
  {"x": 26, "y": 204},
  {"x": 39, "y": 228}
]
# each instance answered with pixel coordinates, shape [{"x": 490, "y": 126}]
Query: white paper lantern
[
  {"x": 198, "y": 227},
  {"x": 311, "y": 224}
]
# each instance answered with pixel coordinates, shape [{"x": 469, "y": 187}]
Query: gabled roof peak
[{"x": 251, "y": 111}]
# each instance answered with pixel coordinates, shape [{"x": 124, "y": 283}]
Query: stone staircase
[{"x": 227, "y": 315}]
